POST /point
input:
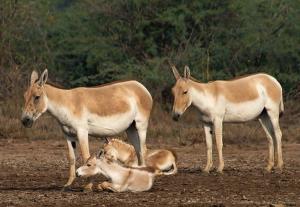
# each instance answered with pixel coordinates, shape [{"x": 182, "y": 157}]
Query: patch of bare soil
[{"x": 33, "y": 173}]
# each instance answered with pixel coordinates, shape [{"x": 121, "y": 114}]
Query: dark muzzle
[
  {"x": 175, "y": 116},
  {"x": 27, "y": 121}
]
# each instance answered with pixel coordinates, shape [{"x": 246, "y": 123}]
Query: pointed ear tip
[
  {"x": 34, "y": 77},
  {"x": 34, "y": 72},
  {"x": 175, "y": 71}
]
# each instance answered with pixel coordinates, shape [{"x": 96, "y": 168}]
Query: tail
[
  {"x": 281, "y": 107},
  {"x": 170, "y": 171},
  {"x": 174, "y": 154}
]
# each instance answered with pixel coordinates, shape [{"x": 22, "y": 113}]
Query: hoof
[
  {"x": 66, "y": 188},
  {"x": 269, "y": 169},
  {"x": 88, "y": 187},
  {"x": 206, "y": 171},
  {"x": 100, "y": 188},
  {"x": 220, "y": 171},
  {"x": 220, "y": 168},
  {"x": 208, "y": 168},
  {"x": 279, "y": 169},
  {"x": 87, "y": 190}
]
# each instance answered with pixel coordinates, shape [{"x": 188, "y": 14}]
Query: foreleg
[
  {"x": 83, "y": 140},
  {"x": 208, "y": 137},
  {"x": 72, "y": 160},
  {"x": 110, "y": 186}
]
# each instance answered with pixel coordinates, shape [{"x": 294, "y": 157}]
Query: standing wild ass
[
  {"x": 105, "y": 110},
  {"x": 242, "y": 99}
]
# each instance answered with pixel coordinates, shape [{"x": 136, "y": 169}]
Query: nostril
[
  {"x": 25, "y": 120},
  {"x": 176, "y": 116}
]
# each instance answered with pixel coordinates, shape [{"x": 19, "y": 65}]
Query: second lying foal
[{"x": 163, "y": 161}]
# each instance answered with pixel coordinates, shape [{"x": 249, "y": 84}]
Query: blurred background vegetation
[{"x": 90, "y": 42}]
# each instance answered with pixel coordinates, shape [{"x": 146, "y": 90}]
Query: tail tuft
[
  {"x": 281, "y": 108},
  {"x": 170, "y": 171}
]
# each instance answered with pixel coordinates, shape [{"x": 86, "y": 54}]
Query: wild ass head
[
  {"x": 93, "y": 165},
  {"x": 181, "y": 92},
  {"x": 109, "y": 151},
  {"x": 89, "y": 168},
  {"x": 35, "y": 99}
]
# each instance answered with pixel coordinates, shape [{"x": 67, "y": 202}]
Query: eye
[
  {"x": 89, "y": 165},
  {"x": 36, "y": 98},
  {"x": 185, "y": 92}
]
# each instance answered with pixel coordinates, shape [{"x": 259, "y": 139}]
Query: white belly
[
  {"x": 109, "y": 125},
  {"x": 246, "y": 111}
]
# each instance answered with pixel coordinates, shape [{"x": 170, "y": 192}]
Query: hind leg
[
  {"x": 142, "y": 131},
  {"x": 137, "y": 136},
  {"x": 110, "y": 186},
  {"x": 218, "y": 128},
  {"x": 274, "y": 117},
  {"x": 268, "y": 128}
]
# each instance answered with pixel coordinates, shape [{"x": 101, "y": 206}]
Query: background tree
[{"x": 91, "y": 42}]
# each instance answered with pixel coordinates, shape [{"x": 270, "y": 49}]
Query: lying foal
[
  {"x": 122, "y": 178},
  {"x": 164, "y": 161}
]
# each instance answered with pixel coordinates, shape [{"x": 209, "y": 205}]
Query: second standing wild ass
[
  {"x": 243, "y": 99},
  {"x": 100, "y": 111}
]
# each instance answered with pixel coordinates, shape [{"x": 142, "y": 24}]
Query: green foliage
[{"x": 90, "y": 42}]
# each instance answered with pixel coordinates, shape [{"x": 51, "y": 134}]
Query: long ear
[
  {"x": 174, "y": 70},
  {"x": 107, "y": 140},
  {"x": 187, "y": 72},
  {"x": 43, "y": 78},
  {"x": 34, "y": 77},
  {"x": 100, "y": 153}
]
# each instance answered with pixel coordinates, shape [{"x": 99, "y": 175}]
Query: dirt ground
[{"x": 33, "y": 173}]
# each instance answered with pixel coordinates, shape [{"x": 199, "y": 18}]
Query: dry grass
[
  {"x": 11, "y": 126},
  {"x": 162, "y": 129}
]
